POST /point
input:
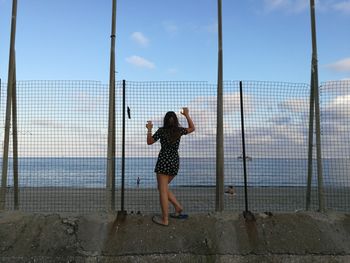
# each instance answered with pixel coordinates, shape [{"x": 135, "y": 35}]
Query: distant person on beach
[
  {"x": 230, "y": 190},
  {"x": 138, "y": 182},
  {"x": 167, "y": 165}
]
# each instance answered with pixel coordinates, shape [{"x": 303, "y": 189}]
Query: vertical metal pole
[
  {"x": 15, "y": 139},
  {"x": 219, "y": 204},
  {"x": 123, "y": 152},
  {"x": 317, "y": 108},
  {"x": 311, "y": 140},
  {"x": 111, "y": 119},
  {"x": 243, "y": 148},
  {"x": 8, "y": 106}
]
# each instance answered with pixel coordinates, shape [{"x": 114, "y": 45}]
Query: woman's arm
[
  {"x": 149, "y": 127},
  {"x": 191, "y": 127}
]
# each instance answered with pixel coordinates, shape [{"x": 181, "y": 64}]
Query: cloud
[
  {"x": 336, "y": 87},
  {"x": 203, "y": 110},
  {"x": 172, "y": 71},
  {"x": 280, "y": 120},
  {"x": 212, "y": 28},
  {"x": 290, "y": 6},
  {"x": 170, "y": 27},
  {"x": 295, "y": 105},
  {"x": 333, "y": 5},
  {"x": 140, "y": 62},
  {"x": 340, "y": 65},
  {"x": 275, "y": 4},
  {"x": 343, "y": 7},
  {"x": 89, "y": 102},
  {"x": 338, "y": 108},
  {"x": 231, "y": 103},
  {"x": 209, "y": 28},
  {"x": 38, "y": 123},
  {"x": 335, "y": 119},
  {"x": 140, "y": 39}
]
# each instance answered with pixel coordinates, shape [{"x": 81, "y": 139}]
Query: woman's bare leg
[
  {"x": 178, "y": 207},
  {"x": 163, "y": 196}
]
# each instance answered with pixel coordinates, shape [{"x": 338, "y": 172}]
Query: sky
[
  {"x": 176, "y": 40},
  {"x": 265, "y": 40}
]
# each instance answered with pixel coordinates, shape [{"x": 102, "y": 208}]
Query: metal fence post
[
  {"x": 15, "y": 140},
  {"x": 219, "y": 204},
  {"x": 8, "y": 106},
  {"x": 317, "y": 109},
  {"x": 310, "y": 147},
  {"x": 247, "y": 214},
  {"x": 123, "y": 155},
  {"x": 111, "y": 120}
]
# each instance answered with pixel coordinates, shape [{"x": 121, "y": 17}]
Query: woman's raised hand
[
  {"x": 149, "y": 125},
  {"x": 185, "y": 111}
]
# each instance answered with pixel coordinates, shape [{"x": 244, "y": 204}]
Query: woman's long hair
[{"x": 171, "y": 126}]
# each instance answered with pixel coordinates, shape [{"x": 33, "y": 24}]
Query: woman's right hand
[
  {"x": 185, "y": 111},
  {"x": 149, "y": 125}
]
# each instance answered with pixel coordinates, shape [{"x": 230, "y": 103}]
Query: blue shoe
[{"x": 178, "y": 216}]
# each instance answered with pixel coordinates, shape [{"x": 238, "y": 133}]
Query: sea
[{"x": 194, "y": 172}]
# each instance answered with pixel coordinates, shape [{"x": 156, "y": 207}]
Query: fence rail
[{"x": 62, "y": 144}]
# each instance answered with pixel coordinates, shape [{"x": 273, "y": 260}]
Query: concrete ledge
[
  {"x": 185, "y": 258},
  {"x": 214, "y": 237}
]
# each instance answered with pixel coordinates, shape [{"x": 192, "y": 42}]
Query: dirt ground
[{"x": 213, "y": 237}]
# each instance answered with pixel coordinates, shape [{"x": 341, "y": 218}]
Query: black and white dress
[{"x": 168, "y": 158}]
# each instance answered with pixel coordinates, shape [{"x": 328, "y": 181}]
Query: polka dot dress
[{"x": 168, "y": 158}]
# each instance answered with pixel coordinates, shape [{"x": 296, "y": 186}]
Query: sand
[{"x": 194, "y": 199}]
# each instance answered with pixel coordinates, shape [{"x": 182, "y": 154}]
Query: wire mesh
[
  {"x": 62, "y": 135},
  {"x": 276, "y": 117},
  {"x": 62, "y": 143},
  {"x": 276, "y": 139},
  {"x": 335, "y": 139},
  {"x": 194, "y": 186}
]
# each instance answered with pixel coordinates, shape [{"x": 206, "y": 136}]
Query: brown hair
[{"x": 172, "y": 126}]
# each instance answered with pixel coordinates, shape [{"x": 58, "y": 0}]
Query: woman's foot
[
  {"x": 178, "y": 210},
  {"x": 178, "y": 213},
  {"x": 160, "y": 221},
  {"x": 178, "y": 216}
]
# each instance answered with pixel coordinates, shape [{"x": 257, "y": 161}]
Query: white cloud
[
  {"x": 170, "y": 27},
  {"x": 296, "y": 105},
  {"x": 336, "y": 87},
  {"x": 275, "y": 4},
  {"x": 341, "y": 65},
  {"x": 208, "y": 28},
  {"x": 231, "y": 103},
  {"x": 338, "y": 108},
  {"x": 89, "y": 102},
  {"x": 172, "y": 71},
  {"x": 140, "y": 39},
  {"x": 212, "y": 28},
  {"x": 140, "y": 62},
  {"x": 335, "y": 127},
  {"x": 290, "y": 6},
  {"x": 343, "y": 7}
]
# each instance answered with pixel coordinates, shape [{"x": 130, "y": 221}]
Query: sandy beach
[{"x": 194, "y": 199}]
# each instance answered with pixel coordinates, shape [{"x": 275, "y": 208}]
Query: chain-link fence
[
  {"x": 335, "y": 136},
  {"x": 276, "y": 139},
  {"x": 62, "y": 138},
  {"x": 62, "y": 143}
]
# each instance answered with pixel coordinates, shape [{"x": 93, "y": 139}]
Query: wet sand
[{"x": 194, "y": 199}]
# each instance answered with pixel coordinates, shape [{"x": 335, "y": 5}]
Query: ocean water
[{"x": 91, "y": 172}]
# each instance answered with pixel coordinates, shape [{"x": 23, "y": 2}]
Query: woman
[{"x": 167, "y": 165}]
